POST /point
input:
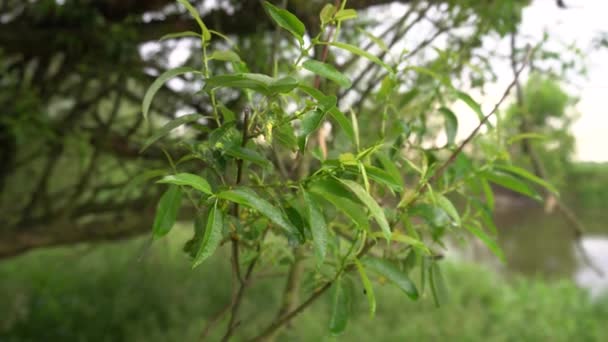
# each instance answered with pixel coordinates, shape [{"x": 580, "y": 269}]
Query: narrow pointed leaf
[
  {"x": 359, "y": 52},
  {"x": 327, "y": 71},
  {"x": 188, "y": 179},
  {"x": 518, "y": 171},
  {"x": 351, "y": 209},
  {"x": 225, "y": 55},
  {"x": 393, "y": 274},
  {"x": 166, "y": 211},
  {"x": 371, "y": 204},
  {"x": 181, "y": 35},
  {"x": 510, "y": 182},
  {"x": 318, "y": 227},
  {"x": 194, "y": 13},
  {"x": 451, "y": 124},
  {"x": 369, "y": 289},
  {"x": 251, "y": 199},
  {"x": 447, "y": 206},
  {"x": 340, "y": 308},
  {"x": 212, "y": 237},
  {"x": 246, "y": 154},
  {"x": 286, "y": 20},
  {"x": 488, "y": 241},
  {"x": 437, "y": 283},
  {"x": 471, "y": 103},
  {"x": 374, "y": 39},
  {"x": 158, "y": 83},
  {"x": 310, "y": 122},
  {"x": 168, "y": 127}
]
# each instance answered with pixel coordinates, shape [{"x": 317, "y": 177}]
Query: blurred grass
[{"x": 104, "y": 293}]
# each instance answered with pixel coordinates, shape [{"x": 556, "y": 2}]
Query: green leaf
[
  {"x": 451, "y": 124},
  {"x": 518, "y": 171},
  {"x": 437, "y": 283},
  {"x": 227, "y": 114},
  {"x": 310, "y": 122},
  {"x": 344, "y": 123},
  {"x": 371, "y": 204},
  {"x": 285, "y": 135},
  {"x": 359, "y": 52},
  {"x": 393, "y": 274},
  {"x": 249, "y": 198},
  {"x": 328, "y": 71},
  {"x": 225, "y": 55},
  {"x": 369, "y": 289},
  {"x": 510, "y": 182},
  {"x": 426, "y": 71},
  {"x": 212, "y": 236},
  {"x": 374, "y": 39},
  {"x": 340, "y": 308},
  {"x": 166, "y": 211},
  {"x": 246, "y": 154},
  {"x": 386, "y": 88},
  {"x": 523, "y": 136},
  {"x": 351, "y": 209},
  {"x": 447, "y": 206},
  {"x": 390, "y": 167},
  {"x": 180, "y": 35},
  {"x": 194, "y": 13},
  {"x": 256, "y": 82},
  {"x": 327, "y": 13},
  {"x": 318, "y": 227},
  {"x": 471, "y": 103},
  {"x": 345, "y": 14},
  {"x": 489, "y": 242},
  {"x": 286, "y": 20},
  {"x": 283, "y": 85},
  {"x": 188, "y": 179},
  {"x": 158, "y": 83},
  {"x": 168, "y": 127}
]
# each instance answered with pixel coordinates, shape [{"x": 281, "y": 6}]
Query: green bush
[{"x": 127, "y": 292}]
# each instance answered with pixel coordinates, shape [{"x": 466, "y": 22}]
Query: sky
[{"x": 581, "y": 23}]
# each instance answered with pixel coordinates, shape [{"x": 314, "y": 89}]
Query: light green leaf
[
  {"x": 447, "y": 206},
  {"x": 249, "y": 198},
  {"x": 180, "y": 35},
  {"x": 188, "y": 179},
  {"x": 451, "y": 124},
  {"x": 369, "y": 289},
  {"x": 518, "y": 171},
  {"x": 345, "y": 14},
  {"x": 390, "y": 167},
  {"x": 328, "y": 71},
  {"x": 523, "y": 136},
  {"x": 318, "y": 227},
  {"x": 471, "y": 103},
  {"x": 327, "y": 13},
  {"x": 194, "y": 13},
  {"x": 168, "y": 127},
  {"x": 489, "y": 242},
  {"x": 393, "y": 274},
  {"x": 359, "y": 52},
  {"x": 426, "y": 71},
  {"x": 286, "y": 20},
  {"x": 166, "y": 211},
  {"x": 283, "y": 85},
  {"x": 256, "y": 82},
  {"x": 340, "y": 308},
  {"x": 510, "y": 182},
  {"x": 225, "y": 55},
  {"x": 371, "y": 204},
  {"x": 212, "y": 237},
  {"x": 374, "y": 39},
  {"x": 351, "y": 209},
  {"x": 158, "y": 83}
]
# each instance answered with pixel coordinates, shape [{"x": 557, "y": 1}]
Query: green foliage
[{"x": 336, "y": 202}]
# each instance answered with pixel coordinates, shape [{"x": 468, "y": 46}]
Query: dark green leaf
[
  {"x": 286, "y": 20},
  {"x": 328, "y": 71},
  {"x": 256, "y": 82},
  {"x": 471, "y": 103},
  {"x": 246, "y": 154},
  {"x": 351, "y": 209},
  {"x": 390, "y": 167},
  {"x": 166, "y": 211},
  {"x": 168, "y": 127},
  {"x": 451, "y": 124},
  {"x": 158, "y": 83},
  {"x": 393, "y": 274},
  {"x": 506, "y": 180},
  {"x": 249, "y": 198},
  {"x": 318, "y": 227},
  {"x": 437, "y": 285},
  {"x": 283, "y": 85},
  {"x": 310, "y": 122},
  {"x": 518, "y": 171},
  {"x": 340, "y": 308},
  {"x": 212, "y": 237},
  {"x": 447, "y": 206}
]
